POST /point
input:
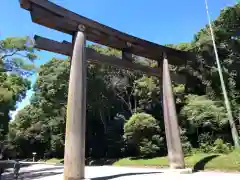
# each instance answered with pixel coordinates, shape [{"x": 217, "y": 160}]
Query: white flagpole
[{"x": 227, "y": 103}]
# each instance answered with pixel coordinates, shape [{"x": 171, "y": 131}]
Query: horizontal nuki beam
[
  {"x": 56, "y": 17},
  {"x": 66, "y": 48}
]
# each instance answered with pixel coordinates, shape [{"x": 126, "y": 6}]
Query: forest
[{"x": 124, "y": 108}]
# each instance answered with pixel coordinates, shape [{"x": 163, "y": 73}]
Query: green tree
[
  {"x": 200, "y": 111},
  {"x": 16, "y": 62},
  {"x": 142, "y": 132},
  {"x": 17, "y": 55}
]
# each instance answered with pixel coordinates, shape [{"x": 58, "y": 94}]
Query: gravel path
[{"x": 51, "y": 172}]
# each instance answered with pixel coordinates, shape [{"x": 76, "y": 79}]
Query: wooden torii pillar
[
  {"x": 53, "y": 16},
  {"x": 172, "y": 131},
  {"x": 74, "y": 156}
]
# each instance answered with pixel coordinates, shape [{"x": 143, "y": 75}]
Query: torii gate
[{"x": 53, "y": 16}]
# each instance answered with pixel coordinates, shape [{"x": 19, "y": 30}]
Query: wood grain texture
[
  {"x": 25, "y": 4},
  {"x": 74, "y": 156},
  {"x": 172, "y": 130}
]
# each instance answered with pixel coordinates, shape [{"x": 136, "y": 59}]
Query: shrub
[
  {"x": 186, "y": 145},
  {"x": 220, "y": 147},
  {"x": 208, "y": 144},
  {"x": 200, "y": 111},
  {"x": 142, "y": 132},
  {"x": 149, "y": 147},
  {"x": 205, "y": 141}
]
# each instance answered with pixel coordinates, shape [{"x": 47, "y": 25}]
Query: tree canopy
[{"x": 16, "y": 63}]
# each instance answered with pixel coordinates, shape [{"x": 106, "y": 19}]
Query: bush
[
  {"x": 186, "y": 145},
  {"x": 202, "y": 112},
  {"x": 208, "y": 144},
  {"x": 142, "y": 132},
  {"x": 220, "y": 147},
  {"x": 148, "y": 147},
  {"x": 205, "y": 142}
]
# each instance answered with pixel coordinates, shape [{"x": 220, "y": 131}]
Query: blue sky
[{"x": 160, "y": 21}]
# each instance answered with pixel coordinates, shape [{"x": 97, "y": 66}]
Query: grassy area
[{"x": 200, "y": 161}]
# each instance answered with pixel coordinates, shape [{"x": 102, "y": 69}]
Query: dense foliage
[
  {"x": 124, "y": 108},
  {"x": 16, "y": 63},
  {"x": 142, "y": 134}
]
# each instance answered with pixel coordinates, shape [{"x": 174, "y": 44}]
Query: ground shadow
[
  {"x": 142, "y": 157},
  {"x": 25, "y": 165},
  {"x": 199, "y": 166},
  {"x": 96, "y": 162},
  {"x": 10, "y": 169},
  {"x": 121, "y": 175},
  {"x": 31, "y": 174},
  {"x": 100, "y": 162},
  {"x": 40, "y": 170}
]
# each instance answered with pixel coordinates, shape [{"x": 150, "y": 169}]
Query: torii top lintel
[{"x": 56, "y": 17}]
